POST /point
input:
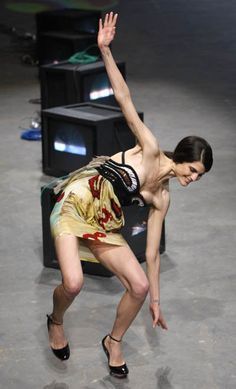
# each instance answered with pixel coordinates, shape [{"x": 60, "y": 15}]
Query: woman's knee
[
  {"x": 73, "y": 286},
  {"x": 139, "y": 289}
]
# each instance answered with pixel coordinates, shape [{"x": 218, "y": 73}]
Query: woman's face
[{"x": 188, "y": 172}]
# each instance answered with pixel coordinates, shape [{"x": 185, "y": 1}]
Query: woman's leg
[
  {"x": 72, "y": 280},
  {"x": 122, "y": 262}
]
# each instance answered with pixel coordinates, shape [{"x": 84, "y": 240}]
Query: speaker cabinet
[
  {"x": 73, "y": 135},
  {"x": 65, "y": 83},
  {"x": 56, "y": 46},
  {"x": 68, "y": 19},
  {"x": 60, "y": 33}
]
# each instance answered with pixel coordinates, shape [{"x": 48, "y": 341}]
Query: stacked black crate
[
  {"x": 65, "y": 83},
  {"x": 63, "y": 32}
]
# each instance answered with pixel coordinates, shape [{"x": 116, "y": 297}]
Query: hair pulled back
[{"x": 193, "y": 149}]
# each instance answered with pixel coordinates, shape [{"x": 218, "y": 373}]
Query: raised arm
[{"x": 121, "y": 91}]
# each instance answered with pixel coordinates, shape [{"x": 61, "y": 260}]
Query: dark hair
[{"x": 193, "y": 149}]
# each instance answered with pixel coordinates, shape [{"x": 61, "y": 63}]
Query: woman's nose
[{"x": 194, "y": 176}]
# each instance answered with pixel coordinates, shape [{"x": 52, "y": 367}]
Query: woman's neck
[{"x": 166, "y": 169}]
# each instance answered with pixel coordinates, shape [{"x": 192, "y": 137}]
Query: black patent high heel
[
  {"x": 116, "y": 371},
  {"x": 62, "y": 353}
]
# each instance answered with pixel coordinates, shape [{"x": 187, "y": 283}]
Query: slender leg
[
  {"x": 127, "y": 310},
  {"x": 123, "y": 263},
  {"x": 72, "y": 281}
]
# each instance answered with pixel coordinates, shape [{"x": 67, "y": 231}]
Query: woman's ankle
[{"x": 56, "y": 319}]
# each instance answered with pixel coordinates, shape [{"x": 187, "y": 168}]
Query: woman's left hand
[
  {"x": 107, "y": 30},
  {"x": 157, "y": 316}
]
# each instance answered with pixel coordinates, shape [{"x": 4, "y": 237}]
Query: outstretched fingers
[
  {"x": 100, "y": 24},
  {"x": 114, "y": 20},
  {"x": 105, "y": 24},
  {"x": 107, "y": 29},
  {"x": 110, "y": 19}
]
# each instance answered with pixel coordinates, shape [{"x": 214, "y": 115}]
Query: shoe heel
[{"x": 116, "y": 371}]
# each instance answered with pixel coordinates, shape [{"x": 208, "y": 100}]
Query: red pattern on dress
[
  {"x": 116, "y": 209},
  {"x": 94, "y": 236},
  {"x": 95, "y": 186},
  {"x": 107, "y": 216}
]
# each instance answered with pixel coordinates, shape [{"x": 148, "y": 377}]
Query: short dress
[{"x": 89, "y": 203}]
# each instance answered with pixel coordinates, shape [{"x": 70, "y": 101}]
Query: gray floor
[{"x": 181, "y": 63}]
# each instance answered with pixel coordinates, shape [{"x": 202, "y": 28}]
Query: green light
[
  {"x": 34, "y": 7},
  {"x": 27, "y": 7},
  {"x": 92, "y": 4}
]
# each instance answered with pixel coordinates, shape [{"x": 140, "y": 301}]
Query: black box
[
  {"x": 134, "y": 232},
  {"x": 74, "y": 20},
  {"x": 56, "y": 46},
  {"x": 66, "y": 83},
  {"x": 73, "y": 135}
]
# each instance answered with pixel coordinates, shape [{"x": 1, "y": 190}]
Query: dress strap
[{"x": 123, "y": 157}]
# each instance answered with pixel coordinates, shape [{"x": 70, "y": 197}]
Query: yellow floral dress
[{"x": 88, "y": 208}]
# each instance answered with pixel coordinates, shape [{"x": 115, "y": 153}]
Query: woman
[{"x": 90, "y": 208}]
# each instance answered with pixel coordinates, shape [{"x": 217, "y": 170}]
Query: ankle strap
[
  {"x": 50, "y": 318},
  {"x": 116, "y": 340}
]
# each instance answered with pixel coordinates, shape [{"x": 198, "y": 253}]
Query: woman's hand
[
  {"x": 107, "y": 30},
  {"x": 157, "y": 316}
]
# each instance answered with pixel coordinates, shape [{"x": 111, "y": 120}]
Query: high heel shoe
[
  {"x": 116, "y": 371},
  {"x": 61, "y": 353}
]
